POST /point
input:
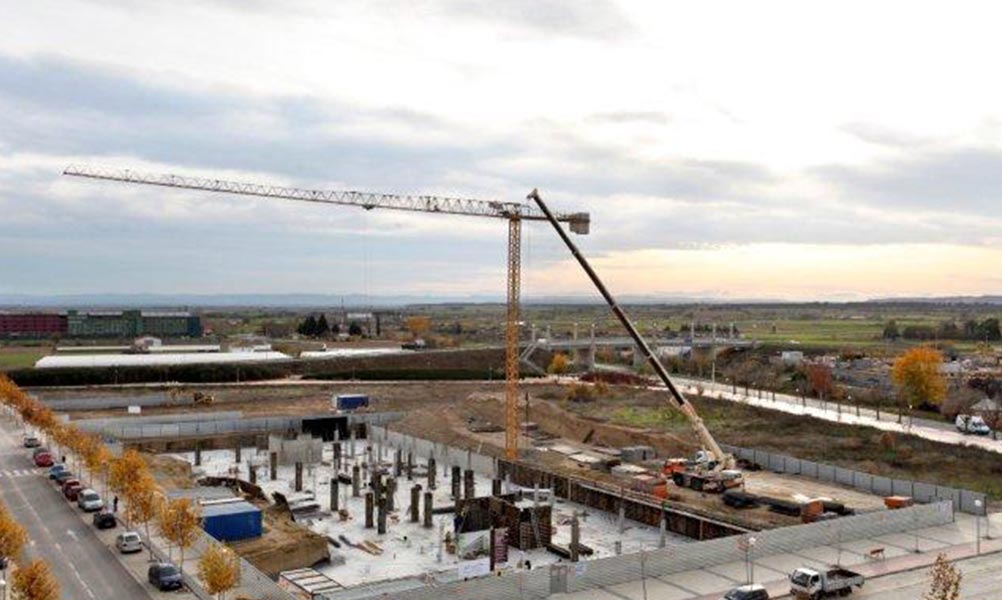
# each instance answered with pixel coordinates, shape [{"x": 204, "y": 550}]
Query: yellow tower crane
[{"x": 514, "y": 212}]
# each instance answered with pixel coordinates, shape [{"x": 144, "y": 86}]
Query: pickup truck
[{"x": 813, "y": 584}]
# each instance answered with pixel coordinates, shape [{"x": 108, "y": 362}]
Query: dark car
[
  {"x": 63, "y": 476},
  {"x": 72, "y": 487},
  {"x": 105, "y": 520},
  {"x": 752, "y": 591},
  {"x": 57, "y": 469},
  {"x": 164, "y": 576}
]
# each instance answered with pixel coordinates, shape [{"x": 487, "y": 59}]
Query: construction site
[{"x": 351, "y": 490}]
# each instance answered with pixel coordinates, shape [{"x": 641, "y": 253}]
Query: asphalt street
[{"x": 85, "y": 567}]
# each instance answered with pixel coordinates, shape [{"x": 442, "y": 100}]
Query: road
[{"x": 85, "y": 567}]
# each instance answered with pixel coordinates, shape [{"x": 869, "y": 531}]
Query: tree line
[
  {"x": 318, "y": 327},
  {"x": 987, "y": 330}
]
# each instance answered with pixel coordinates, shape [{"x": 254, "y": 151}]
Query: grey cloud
[
  {"x": 599, "y": 19},
  {"x": 874, "y": 133},
  {"x": 965, "y": 180},
  {"x": 632, "y": 116}
]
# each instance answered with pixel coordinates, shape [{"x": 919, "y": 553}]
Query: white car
[
  {"x": 972, "y": 424},
  {"x": 89, "y": 500},
  {"x": 129, "y": 542}
]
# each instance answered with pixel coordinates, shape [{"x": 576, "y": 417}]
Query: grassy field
[{"x": 19, "y": 358}]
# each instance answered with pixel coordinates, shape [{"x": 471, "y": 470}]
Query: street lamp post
[
  {"x": 977, "y": 528},
  {"x": 750, "y": 559}
]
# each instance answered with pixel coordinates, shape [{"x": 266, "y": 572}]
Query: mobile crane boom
[{"x": 676, "y": 399}]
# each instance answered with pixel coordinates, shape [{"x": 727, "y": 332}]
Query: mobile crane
[{"x": 716, "y": 472}]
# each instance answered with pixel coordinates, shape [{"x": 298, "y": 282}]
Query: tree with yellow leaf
[
  {"x": 13, "y": 536},
  {"x": 126, "y": 471},
  {"x": 559, "y": 364},
  {"x": 143, "y": 504},
  {"x": 918, "y": 377},
  {"x": 419, "y": 326},
  {"x": 219, "y": 569},
  {"x": 34, "y": 581},
  {"x": 180, "y": 521},
  {"x": 944, "y": 581}
]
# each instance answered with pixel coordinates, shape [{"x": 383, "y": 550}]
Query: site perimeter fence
[
  {"x": 105, "y": 402},
  {"x": 679, "y": 558},
  {"x": 962, "y": 500},
  {"x": 127, "y": 431}
]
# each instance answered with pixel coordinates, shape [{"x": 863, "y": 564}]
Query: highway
[{"x": 85, "y": 567}]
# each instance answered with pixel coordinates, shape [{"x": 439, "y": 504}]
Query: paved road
[{"x": 85, "y": 568}]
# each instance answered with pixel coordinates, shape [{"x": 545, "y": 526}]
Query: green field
[{"x": 20, "y": 358}]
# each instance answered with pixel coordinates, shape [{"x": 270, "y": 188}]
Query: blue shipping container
[
  {"x": 352, "y": 401},
  {"x": 232, "y": 521}
]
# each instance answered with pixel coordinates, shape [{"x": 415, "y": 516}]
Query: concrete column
[
  {"x": 662, "y": 537},
  {"x": 273, "y": 463},
  {"x": 252, "y": 473},
  {"x": 238, "y": 453},
  {"x": 377, "y": 485},
  {"x": 351, "y": 443},
  {"x": 356, "y": 481},
  {"x": 415, "y": 503},
  {"x": 575, "y": 537},
  {"x": 429, "y": 509},
  {"x": 469, "y": 489},
  {"x": 495, "y": 487},
  {"x": 198, "y": 454},
  {"x": 622, "y": 515},
  {"x": 335, "y": 497},
  {"x": 432, "y": 474},
  {"x": 370, "y": 501},
  {"x": 455, "y": 483},
  {"x": 381, "y": 511},
  {"x": 618, "y": 547},
  {"x": 299, "y": 476},
  {"x": 397, "y": 462},
  {"x": 391, "y": 490},
  {"x": 336, "y": 447}
]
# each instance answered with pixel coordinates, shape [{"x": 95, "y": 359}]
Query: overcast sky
[{"x": 795, "y": 150}]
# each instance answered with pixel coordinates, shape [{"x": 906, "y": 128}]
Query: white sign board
[
  {"x": 475, "y": 568},
  {"x": 135, "y": 410}
]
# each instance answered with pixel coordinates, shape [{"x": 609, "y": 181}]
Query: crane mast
[
  {"x": 514, "y": 212},
  {"x": 677, "y": 400}
]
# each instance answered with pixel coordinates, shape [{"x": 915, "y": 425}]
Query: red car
[
  {"x": 43, "y": 459},
  {"x": 71, "y": 488}
]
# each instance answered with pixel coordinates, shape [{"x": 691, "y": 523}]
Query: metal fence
[
  {"x": 200, "y": 428},
  {"x": 678, "y": 558},
  {"x": 112, "y": 401},
  {"x": 962, "y": 500}
]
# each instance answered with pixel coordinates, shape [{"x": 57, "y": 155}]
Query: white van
[{"x": 972, "y": 424}]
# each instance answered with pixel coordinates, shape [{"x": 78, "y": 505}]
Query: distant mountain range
[{"x": 390, "y": 301}]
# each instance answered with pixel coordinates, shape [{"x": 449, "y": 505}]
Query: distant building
[
  {"x": 792, "y": 357},
  {"x": 133, "y": 323},
  {"x": 32, "y": 324},
  {"x": 101, "y": 324}
]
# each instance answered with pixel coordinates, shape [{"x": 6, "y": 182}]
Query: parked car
[
  {"x": 63, "y": 476},
  {"x": 972, "y": 424},
  {"x": 31, "y": 441},
  {"x": 164, "y": 576},
  {"x": 72, "y": 487},
  {"x": 89, "y": 500},
  {"x": 128, "y": 542},
  {"x": 105, "y": 520},
  {"x": 810, "y": 583},
  {"x": 752, "y": 591},
  {"x": 43, "y": 459},
  {"x": 57, "y": 469},
  {"x": 38, "y": 450}
]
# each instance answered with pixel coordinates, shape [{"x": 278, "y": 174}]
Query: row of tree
[
  {"x": 128, "y": 476},
  {"x": 318, "y": 327},
  {"x": 987, "y": 330}
]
